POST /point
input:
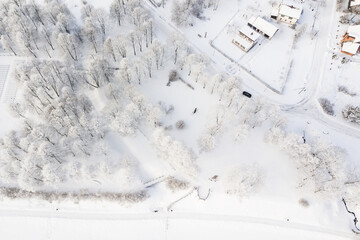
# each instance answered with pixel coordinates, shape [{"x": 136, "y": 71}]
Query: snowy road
[{"x": 160, "y": 225}]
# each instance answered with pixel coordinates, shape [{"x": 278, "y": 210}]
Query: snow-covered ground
[
  {"x": 157, "y": 226},
  {"x": 269, "y": 202}
]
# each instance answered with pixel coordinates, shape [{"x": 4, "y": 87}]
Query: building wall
[
  {"x": 240, "y": 46},
  {"x": 347, "y": 38},
  {"x": 287, "y": 19}
]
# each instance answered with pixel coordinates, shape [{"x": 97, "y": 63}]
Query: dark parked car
[{"x": 246, "y": 94}]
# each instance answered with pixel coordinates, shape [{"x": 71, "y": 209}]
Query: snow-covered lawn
[
  {"x": 272, "y": 60},
  {"x": 223, "y": 40},
  {"x": 268, "y": 60}
]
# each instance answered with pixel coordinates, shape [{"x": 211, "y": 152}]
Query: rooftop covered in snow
[
  {"x": 354, "y": 31},
  {"x": 350, "y": 47},
  {"x": 250, "y": 33},
  {"x": 354, "y": 3},
  {"x": 290, "y": 10},
  {"x": 263, "y": 26}
]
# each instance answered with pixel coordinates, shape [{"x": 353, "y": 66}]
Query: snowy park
[{"x": 179, "y": 119}]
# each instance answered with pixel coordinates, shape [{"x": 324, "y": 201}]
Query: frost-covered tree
[
  {"x": 178, "y": 45},
  {"x": 214, "y": 4},
  {"x": 184, "y": 11},
  {"x": 276, "y": 117},
  {"x": 8, "y": 44},
  {"x": 91, "y": 32},
  {"x": 117, "y": 9},
  {"x": 127, "y": 120},
  {"x": 215, "y": 82},
  {"x": 124, "y": 73},
  {"x": 69, "y": 45},
  {"x": 351, "y": 189},
  {"x": 159, "y": 51},
  {"x": 320, "y": 164},
  {"x": 241, "y": 132},
  {"x": 120, "y": 44},
  {"x": 352, "y": 114},
  {"x": 138, "y": 69},
  {"x": 180, "y": 158},
  {"x": 242, "y": 181},
  {"x": 218, "y": 116},
  {"x": 99, "y": 72},
  {"x": 149, "y": 59},
  {"x": 132, "y": 39},
  {"x": 228, "y": 85},
  {"x": 109, "y": 48},
  {"x": 207, "y": 142}
]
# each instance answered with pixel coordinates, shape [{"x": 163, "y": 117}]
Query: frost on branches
[
  {"x": 352, "y": 114},
  {"x": 242, "y": 181},
  {"x": 179, "y": 157},
  {"x": 320, "y": 164}
]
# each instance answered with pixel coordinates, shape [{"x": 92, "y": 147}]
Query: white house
[
  {"x": 287, "y": 13},
  {"x": 350, "y": 44},
  {"x": 262, "y": 26},
  {"x": 354, "y": 3},
  {"x": 246, "y": 39}
]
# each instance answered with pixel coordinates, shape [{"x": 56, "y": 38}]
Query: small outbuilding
[
  {"x": 262, "y": 26},
  {"x": 287, "y": 13},
  {"x": 350, "y": 44},
  {"x": 246, "y": 39}
]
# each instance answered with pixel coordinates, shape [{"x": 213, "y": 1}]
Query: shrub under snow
[
  {"x": 327, "y": 106},
  {"x": 352, "y": 114},
  {"x": 175, "y": 184}
]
